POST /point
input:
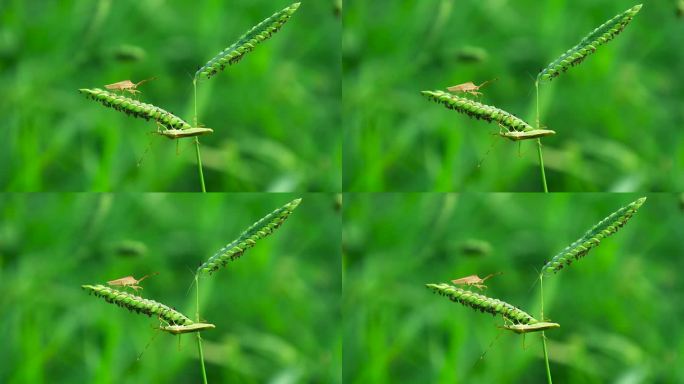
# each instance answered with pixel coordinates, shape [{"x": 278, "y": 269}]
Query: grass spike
[
  {"x": 247, "y": 42},
  {"x": 138, "y": 304},
  {"x": 483, "y": 303},
  {"x": 592, "y": 238},
  {"x": 478, "y": 110},
  {"x": 588, "y": 45},
  {"x": 262, "y": 228},
  {"x": 136, "y": 108}
]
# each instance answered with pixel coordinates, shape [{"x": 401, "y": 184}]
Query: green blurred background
[
  {"x": 277, "y": 309},
  {"x": 618, "y": 307},
  {"x": 618, "y": 116},
  {"x": 275, "y": 114}
]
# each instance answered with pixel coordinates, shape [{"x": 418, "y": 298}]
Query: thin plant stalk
[
  {"x": 543, "y": 334},
  {"x": 541, "y": 165},
  {"x": 197, "y": 148},
  {"x": 539, "y": 145},
  {"x": 199, "y": 165},
  {"x": 199, "y": 338}
]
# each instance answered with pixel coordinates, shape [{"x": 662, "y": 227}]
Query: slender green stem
[
  {"x": 536, "y": 86},
  {"x": 539, "y": 145},
  {"x": 199, "y": 165},
  {"x": 194, "y": 87},
  {"x": 543, "y": 335},
  {"x": 194, "y": 120},
  {"x": 199, "y": 338},
  {"x": 541, "y": 165}
]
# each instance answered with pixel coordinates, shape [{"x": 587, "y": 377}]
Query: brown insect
[
  {"x": 130, "y": 281},
  {"x": 469, "y": 87},
  {"x": 127, "y": 85},
  {"x": 474, "y": 280}
]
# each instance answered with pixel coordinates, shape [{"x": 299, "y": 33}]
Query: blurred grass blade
[
  {"x": 262, "y": 228},
  {"x": 247, "y": 42},
  {"x": 592, "y": 238},
  {"x": 599, "y": 36}
]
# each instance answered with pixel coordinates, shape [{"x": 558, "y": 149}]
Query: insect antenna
[
  {"x": 492, "y": 144},
  {"x": 491, "y": 345},
  {"x": 148, "y": 148},
  {"x": 487, "y": 82},
  {"x": 154, "y": 336},
  {"x": 491, "y": 275},
  {"x": 148, "y": 275}
]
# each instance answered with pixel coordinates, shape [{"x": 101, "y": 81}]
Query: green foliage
[
  {"x": 267, "y": 136},
  {"x": 483, "y": 303},
  {"x": 478, "y": 110},
  {"x": 599, "y": 36},
  {"x": 614, "y": 120},
  {"x": 136, "y": 108},
  {"x": 592, "y": 238},
  {"x": 396, "y": 330},
  {"x": 247, "y": 239},
  {"x": 247, "y": 42},
  {"x": 138, "y": 304},
  {"x": 265, "y": 316}
]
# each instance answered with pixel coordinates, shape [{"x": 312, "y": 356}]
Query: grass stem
[
  {"x": 541, "y": 165},
  {"x": 543, "y": 334},
  {"x": 199, "y": 338},
  {"x": 539, "y": 145},
  {"x": 199, "y": 165}
]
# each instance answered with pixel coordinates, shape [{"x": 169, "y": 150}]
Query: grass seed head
[
  {"x": 592, "y": 238},
  {"x": 478, "y": 110},
  {"x": 483, "y": 303},
  {"x": 138, "y": 304},
  {"x": 136, "y": 108},
  {"x": 599, "y": 36},
  {"x": 247, "y": 42},
  {"x": 259, "y": 230}
]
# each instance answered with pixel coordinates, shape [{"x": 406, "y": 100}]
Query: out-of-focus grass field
[
  {"x": 276, "y": 309},
  {"x": 276, "y": 114},
  {"x": 618, "y": 307},
  {"x": 618, "y": 115}
]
